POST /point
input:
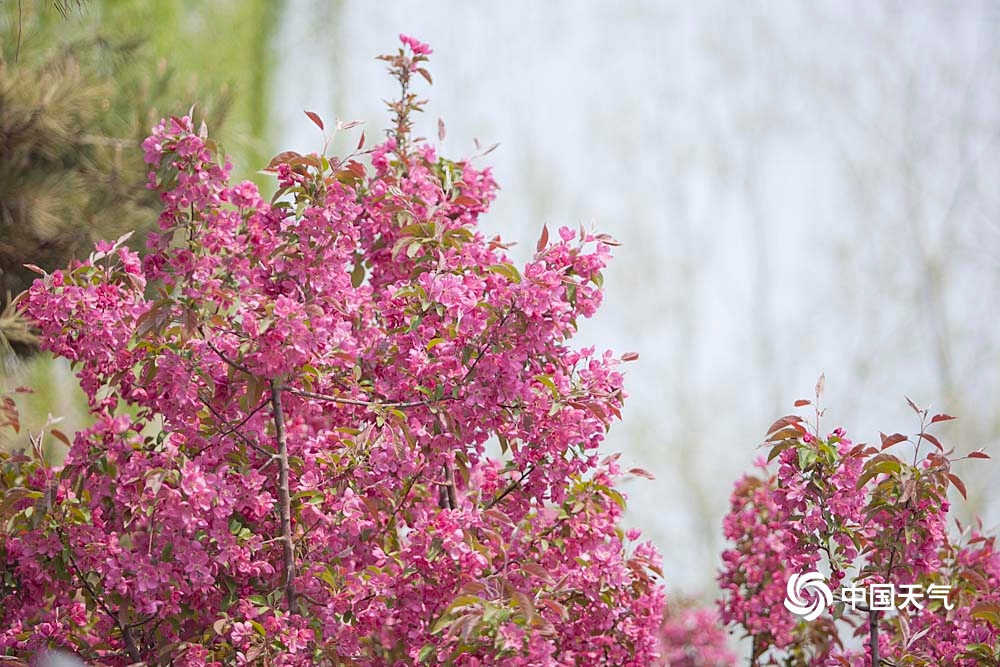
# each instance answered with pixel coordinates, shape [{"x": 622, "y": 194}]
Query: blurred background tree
[{"x": 81, "y": 84}]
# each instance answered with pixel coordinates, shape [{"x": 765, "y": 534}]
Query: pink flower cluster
[
  {"x": 447, "y": 501},
  {"x": 418, "y": 48}
]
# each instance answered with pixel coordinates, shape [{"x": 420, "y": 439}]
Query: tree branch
[
  {"x": 873, "y": 616},
  {"x": 284, "y": 496},
  {"x": 449, "y": 486},
  {"x": 235, "y": 364},
  {"x": 399, "y": 505},
  {"x": 235, "y": 428},
  {"x": 357, "y": 402}
]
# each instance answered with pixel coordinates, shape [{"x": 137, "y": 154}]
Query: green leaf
[
  {"x": 878, "y": 465},
  {"x": 254, "y": 390},
  {"x": 548, "y": 382},
  {"x": 508, "y": 271},
  {"x": 425, "y": 653},
  {"x": 987, "y": 612},
  {"x": 358, "y": 274}
]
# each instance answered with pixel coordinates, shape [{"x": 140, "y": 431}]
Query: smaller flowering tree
[
  {"x": 339, "y": 427},
  {"x": 692, "y": 636},
  {"x": 874, "y": 520}
]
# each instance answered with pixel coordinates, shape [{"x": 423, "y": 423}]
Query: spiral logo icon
[{"x": 814, "y": 583}]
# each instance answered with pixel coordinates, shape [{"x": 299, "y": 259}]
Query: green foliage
[{"x": 80, "y": 86}]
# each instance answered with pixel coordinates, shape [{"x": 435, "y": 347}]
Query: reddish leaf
[
  {"x": 543, "y": 240},
  {"x": 941, "y": 418},
  {"x": 931, "y": 439},
  {"x": 857, "y": 449},
  {"x": 978, "y": 454},
  {"x": 539, "y": 572},
  {"x": 314, "y": 117},
  {"x": 802, "y": 402},
  {"x": 61, "y": 437},
  {"x": 958, "y": 484},
  {"x": 465, "y": 200},
  {"x": 356, "y": 168},
  {"x": 311, "y": 160},
  {"x": 639, "y": 472},
  {"x": 789, "y": 420},
  {"x": 913, "y": 405},
  {"x": 890, "y": 440},
  {"x": 361, "y": 141},
  {"x": 281, "y": 158},
  {"x": 787, "y": 433},
  {"x": 441, "y": 131},
  {"x": 596, "y": 410},
  {"x": 557, "y": 607},
  {"x": 630, "y": 356}
]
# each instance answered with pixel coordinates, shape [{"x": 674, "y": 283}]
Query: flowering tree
[
  {"x": 691, "y": 636},
  {"x": 339, "y": 427},
  {"x": 874, "y": 519}
]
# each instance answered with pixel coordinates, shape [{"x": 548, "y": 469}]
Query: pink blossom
[{"x": 418, "y": 48}]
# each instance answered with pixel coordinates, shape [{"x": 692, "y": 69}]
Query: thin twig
[
  {"x": 358, "y": 402},
  {"x": 481, "y": 352},
  {"x": 235, "y": 364},
  {"x": 511, "y": 487},
  {"x": 308, "y": 530},
  {"x": 399, "y": 505},
  {"x": 130, "y": 647},
  {"x": 17, "y": 50},
  {"x": 235, "y": 429}
]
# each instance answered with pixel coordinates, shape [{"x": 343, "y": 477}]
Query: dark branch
[
  {"x": 510, "y": 488},
  {"x": 284, "y": 496}
]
